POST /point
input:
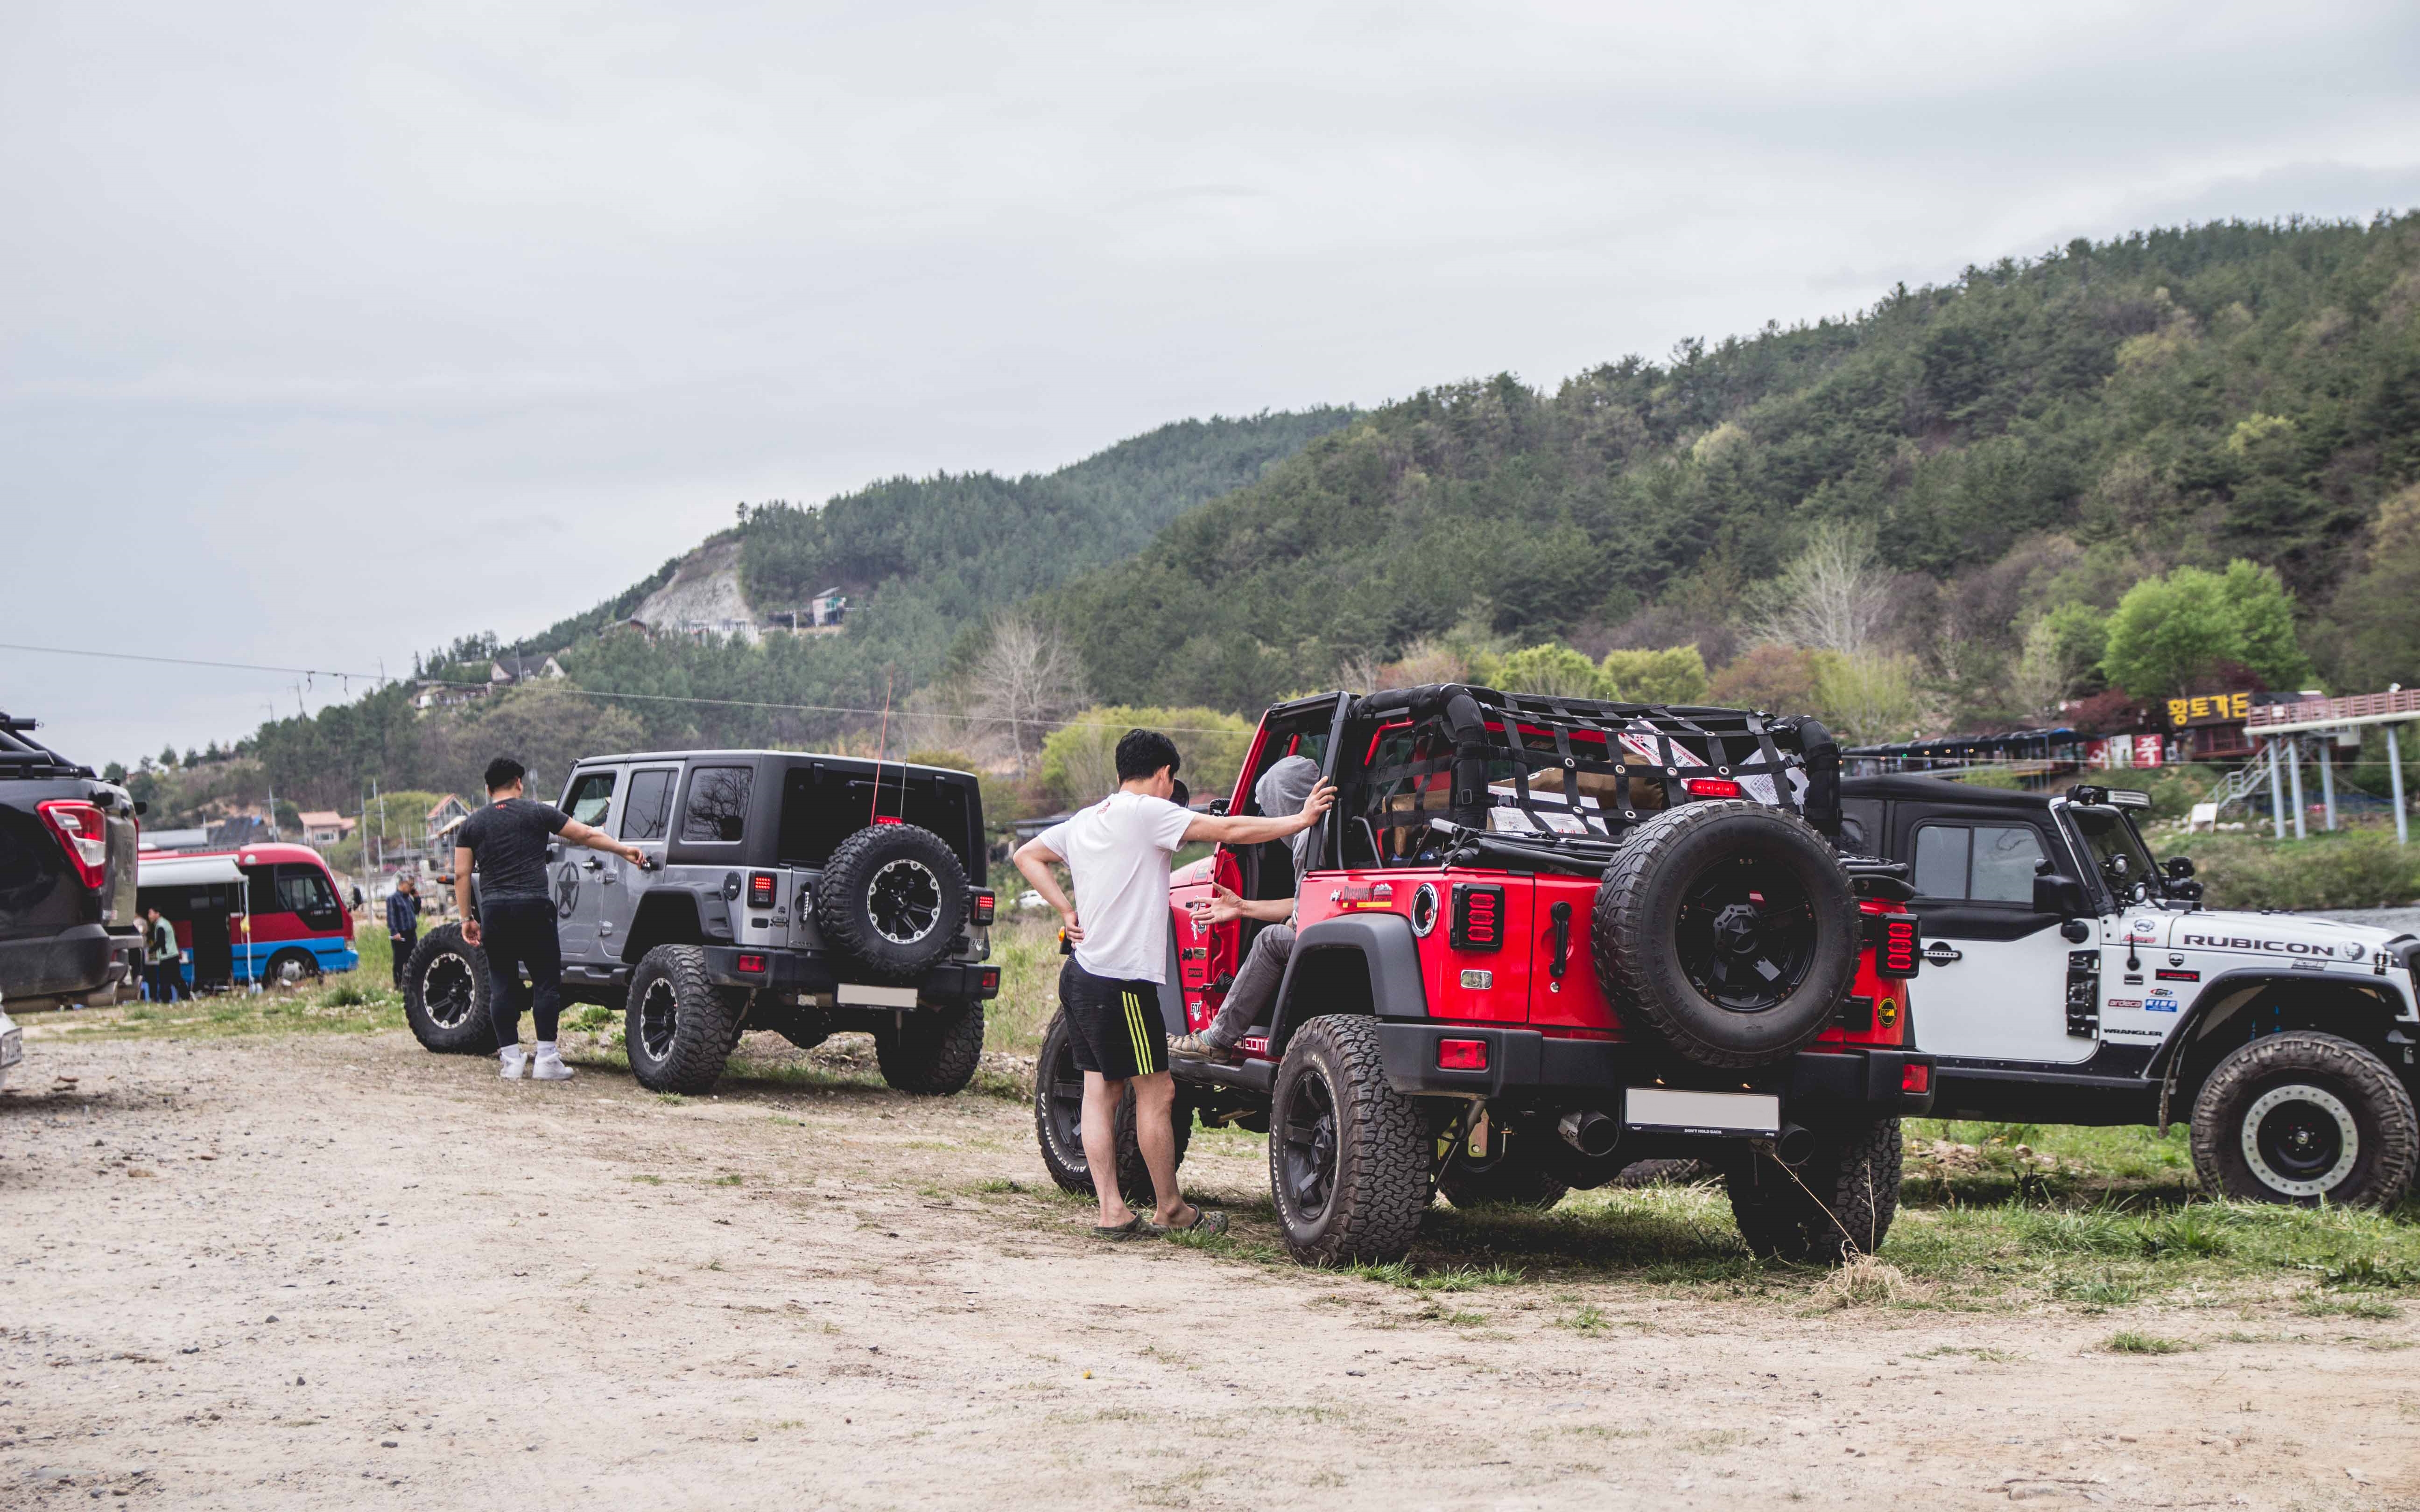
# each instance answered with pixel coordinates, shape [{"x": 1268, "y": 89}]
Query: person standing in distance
[
  {"x": 1117, "y": 852},
  {"x": 506, "y": 842},
  {"x": 402, "y": 924}
]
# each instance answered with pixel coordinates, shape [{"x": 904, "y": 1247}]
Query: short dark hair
[
  {"x": 504, "y": 772},
  {"x": 1143, "y": 752}
]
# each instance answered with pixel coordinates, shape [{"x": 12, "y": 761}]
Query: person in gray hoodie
[{"x": 1281, "y": 790}]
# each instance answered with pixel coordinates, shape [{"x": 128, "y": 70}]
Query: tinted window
[
  {"x": 290, "y": 887},
  {"x": 822, "y": 806},
  {"x": 1941, "y": 852},
  {"x": 648, "y": 812},
  {"x": 591, "y": 797},
  {"x": 1986, "y": 863},
  {"x": 717, "y": 803},
  {"x": 1861, "y": 821}
]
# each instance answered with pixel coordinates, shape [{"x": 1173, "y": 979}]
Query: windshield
[{"x": 2107, "y": 833}]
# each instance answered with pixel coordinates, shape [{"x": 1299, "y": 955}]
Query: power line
[{"x": 376, "y": 678}]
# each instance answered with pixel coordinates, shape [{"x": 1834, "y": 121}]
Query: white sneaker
[
  {"x": 548, "y": 1066},
  {"x": 511, "y": 1058}
]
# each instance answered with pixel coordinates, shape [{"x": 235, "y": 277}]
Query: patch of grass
[
  {"x": 651, "y": 1181},
  {"x": 2376, "y": 1309},
  {"x": 1713, "y": 1441},
  {"x": 730, "y": 1180},
  {"x": 2126, "y": 1341},
  {"x": 1589, "y": 1319},
  {"x": 593, "y": 1016},
  {"x": 671, "y": 1100},
  {"x": 995, "y": 1184},
  {"x": 2368, "y": 1270},
  {"x": 2095, "y": 1292}
]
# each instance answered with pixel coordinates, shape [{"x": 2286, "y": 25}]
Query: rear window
[
  {"x": 821, "y": 806},
  {"x": 717, "y": 803}
]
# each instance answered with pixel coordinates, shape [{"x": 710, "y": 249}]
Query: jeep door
[
  {"x": 1208, "y": 959},
  {"x": 578, "y": 875},
  {"x": 645, "y": 820},
  {"x": 1994, "y": 983}
]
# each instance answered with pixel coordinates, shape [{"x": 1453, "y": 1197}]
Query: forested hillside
[{"x": 2035, "y": 434}]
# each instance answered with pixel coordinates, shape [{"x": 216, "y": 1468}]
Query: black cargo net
[{"x": 1554, "y": 753}]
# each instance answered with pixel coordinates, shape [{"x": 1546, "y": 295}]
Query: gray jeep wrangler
[{"x": 804, "y": 894}]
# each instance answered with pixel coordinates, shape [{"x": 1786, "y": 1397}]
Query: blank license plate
[
  {"x": 1715, "y": 1113},
  {"x": 854, "y": 996}
]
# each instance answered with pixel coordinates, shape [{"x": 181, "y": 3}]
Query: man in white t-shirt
[{"x": 1117, "y": 852}]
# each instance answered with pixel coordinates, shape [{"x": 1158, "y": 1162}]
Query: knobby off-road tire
[
  {"x": 1841, "y": 1203},
  {"x": 1519, "y": 1174},
  {"x": 1729, "y": 931},
  {"x": 1059, "y": 1122},
  {"x": 2306, "y": 1118},
  {"x": 678, "y": 1026},
  {"x": 446, "y": 995},
  {"x": 932, "y": 1051},
  {"x": 1348, "y": 1154},
  {"x": 892, "y": 899}
]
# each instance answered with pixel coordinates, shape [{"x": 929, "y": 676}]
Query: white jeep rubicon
[{"x": 2069, "y": 978}]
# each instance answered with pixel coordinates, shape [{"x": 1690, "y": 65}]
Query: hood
[{"x": 2245, "y": 931}]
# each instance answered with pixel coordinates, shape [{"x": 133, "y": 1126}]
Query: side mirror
[
  {"x": 2180, "y": 866},
  {"x": 2056, "y": 894},
  {"x": 1217, "y": 807}
]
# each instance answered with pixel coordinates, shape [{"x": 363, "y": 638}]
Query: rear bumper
[
  {"x": 1526, "y": 1066},
  {"x": 83, "y": 958},
  {"x": 807, "y": 971}
]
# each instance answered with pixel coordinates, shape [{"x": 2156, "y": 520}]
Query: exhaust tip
[
  {"x": 1792, "y": 1145},
  {"x": 1590, "y": 1133}
]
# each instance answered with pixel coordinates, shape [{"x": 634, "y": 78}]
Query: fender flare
[
  {"x": 1385, "y": 949},
  {"x": 2229, "y": 991},
  {"x": 672, "y": 916}
]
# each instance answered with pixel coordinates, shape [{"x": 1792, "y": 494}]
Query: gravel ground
[{"x": 267, "y": 1273}]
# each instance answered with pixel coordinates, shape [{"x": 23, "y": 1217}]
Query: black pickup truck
[{"x": 68, "y": 929}]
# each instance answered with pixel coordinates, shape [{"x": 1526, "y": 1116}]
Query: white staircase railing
[{"x": 2237, "y": 785}]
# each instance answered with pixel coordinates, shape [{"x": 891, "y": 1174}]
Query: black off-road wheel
[
  {"x": 1348, "y": 1154},
  {"x": 1517, "y": 1172},
  {"x": 1838, "y": 1203},
  {"x": 2306, "y": 1119},
  {"x": 892, "y": 897},
  {"x": 1729, "y": 931},
  {"x": 678, "y": 1026},
  {"x": 446, "y": 995},
  {"x": 1059, "y": 1122},
  {"x": 932, "y": 1051}
]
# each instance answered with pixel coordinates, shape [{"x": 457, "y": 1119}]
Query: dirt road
[{"x": 320, "y": 1273}]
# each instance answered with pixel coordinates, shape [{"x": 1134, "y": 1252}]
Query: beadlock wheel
[
  {"x": 904, "y": 900},
  {"x": 2300, "y": 1141},
  {"x": 449, "y": 992}
]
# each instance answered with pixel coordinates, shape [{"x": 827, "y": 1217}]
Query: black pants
[
  {"x": 401, "y": 945},
  {"x": 517, "y": 932},
  {"x": 167, "y": 980}
]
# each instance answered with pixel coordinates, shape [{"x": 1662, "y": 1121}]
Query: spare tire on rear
[
  {"x": 1727, "y": 930},
  {"x": 894, "y": 899}
]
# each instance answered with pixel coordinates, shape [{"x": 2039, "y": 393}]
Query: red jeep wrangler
[{"x": 1541, "y": 940}]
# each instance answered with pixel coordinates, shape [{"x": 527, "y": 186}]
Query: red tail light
[
  {"x": 760, "y": 890},
  {"x": 1462, "y": 1055},
  {"x": 1915, "y": 1076},
  {"x": 752, "y": 964},
  {"x": 986, "y": 906},
  {"x": 1712, "y": 787},
  {"x": 1896, "y": 955},
  {"x": 990, "y": 980},
  {"x": 84, "y": 833}
]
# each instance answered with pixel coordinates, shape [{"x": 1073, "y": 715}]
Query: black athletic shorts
[{"x": 1115, "y": 1023}]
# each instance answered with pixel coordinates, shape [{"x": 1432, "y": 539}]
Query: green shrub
[{"x": 2350, "y": 869}]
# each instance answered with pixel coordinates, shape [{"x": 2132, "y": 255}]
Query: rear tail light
[
  {"x": 989, "y": 982},
  {"x": 986, "y": 906},
  {"x": 1915, "y": 1076},
  {"x": 1896, "y": 953},
  {"x": 84, "y": 834},
  {"x": 1462, "y": 1055},
  {"x": 760, "y": 890},
  {"x": 752, "y": 964},
  {"x": 1712, "y": 787}
]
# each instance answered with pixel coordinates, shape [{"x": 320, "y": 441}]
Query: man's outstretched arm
[
  {"x": 576, "y": 833},
  {"x": 1240, "y": 829}
]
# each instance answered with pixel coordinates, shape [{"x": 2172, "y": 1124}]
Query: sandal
[
  {"x": 1133, "y": 1228},
  {"x": 1207, "y": 1222}
]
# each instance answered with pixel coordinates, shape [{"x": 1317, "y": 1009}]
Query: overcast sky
[{"x": 328, "y": 333}]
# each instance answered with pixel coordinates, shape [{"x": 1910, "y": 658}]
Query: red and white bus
[{"x": 259, "y": 913}]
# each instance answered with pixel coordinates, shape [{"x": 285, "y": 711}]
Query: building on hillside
[
  {"x": 508, "y": 670},
  {"x": 444, "y": 816},
  {"x": 434, "y": 695},
  {"x": 324, "y": 827},
  {"x": 822, "y": 615}
]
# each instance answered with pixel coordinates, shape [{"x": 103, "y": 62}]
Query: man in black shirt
[{"x": 506, "y": 842}]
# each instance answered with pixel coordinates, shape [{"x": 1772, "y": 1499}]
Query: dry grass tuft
[{"x": 1864, "y": 1281}]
